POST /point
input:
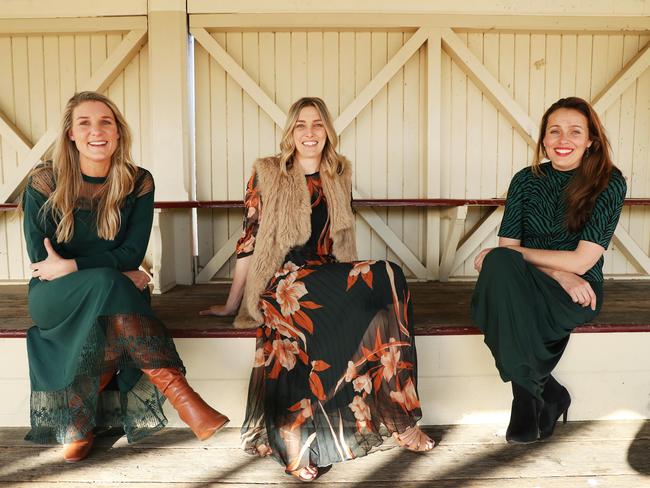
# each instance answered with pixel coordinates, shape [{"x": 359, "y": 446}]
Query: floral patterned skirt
[{"x": 335, "y": 366}]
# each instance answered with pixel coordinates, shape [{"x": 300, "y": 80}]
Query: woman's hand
[
  {"x": 54, "y": 266},
  {"x": 139, "y": 278},
  {"x": 220, "y": 310},
  {"x": 578, "y": 289},
  {"x": 478, "y": 260}
]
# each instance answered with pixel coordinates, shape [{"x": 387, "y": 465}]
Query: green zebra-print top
[{"x": 535, "y": 213}]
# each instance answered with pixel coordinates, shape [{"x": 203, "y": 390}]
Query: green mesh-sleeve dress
[
  {"x": 93, "y": 321},
  {"x": 525, "y": 315}
]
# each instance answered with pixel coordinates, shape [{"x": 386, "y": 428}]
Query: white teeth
[
  {"x": 563, "y": 152},
  {"x": 102, "y": 143},
  {"x": 309, "y": 143}
]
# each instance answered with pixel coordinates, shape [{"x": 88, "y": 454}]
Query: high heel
[
  {"x": 524, "y": 417},
  {"x": 556, "y": 404},
  {"x": 305, "y": 474}
]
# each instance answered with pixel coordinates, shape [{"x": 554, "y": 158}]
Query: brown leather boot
[
  {"x": 192, "y": 409},
  {"x": 78, "y": 450}
]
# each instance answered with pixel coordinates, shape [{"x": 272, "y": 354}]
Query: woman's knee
[
  {"x": 103, "y": 277},
  {"x": 501, "y": 258},
  {"x": 396, "y": 269}
]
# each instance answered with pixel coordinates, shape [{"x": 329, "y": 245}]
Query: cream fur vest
[{"x": 285, "y": 222}]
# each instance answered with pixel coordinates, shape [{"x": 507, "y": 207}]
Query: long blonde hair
[
  {"x": 330, "y": 160},
  {"x": 67, "y": 174}
]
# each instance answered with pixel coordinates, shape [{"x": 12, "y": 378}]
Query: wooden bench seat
[{"x": 439, "y": 309}]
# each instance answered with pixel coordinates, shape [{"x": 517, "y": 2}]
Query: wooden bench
[{"x": 439, "y": 309}]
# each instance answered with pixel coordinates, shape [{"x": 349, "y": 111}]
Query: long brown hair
[
  {"x": 67, "y": 174},
  {"x": 595, "y": 169},
  {"x": 330, "y": 160}
]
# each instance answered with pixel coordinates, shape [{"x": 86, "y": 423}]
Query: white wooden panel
[
  {"x": 237, "y": 136},
  {"x": 218, "y": 141},
  {"x": 641, "y": 155},
  {"x": 116, "y": 90},
  {"x": 315, "y": 63},
  {"x": 9, "y": 156},
  {"x": 378, "y": 153},
  {"x": 420, "y": 8},
  {"x": 268, "y": 140},
  {"x": 21, "y": 9},
  {"x": 395, "y": 147},
  {"x": 616, "y": 263},
  {"x": 364, "y": 140},
  {"x": 624, "y": 144},
  {"x": 414, "y": 141},
  {"x": 203, "y": 147},
  {"x": 298, "y": 67}
]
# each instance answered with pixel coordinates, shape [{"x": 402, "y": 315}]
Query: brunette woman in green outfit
[
  {"x": 87, "y": 220},
  {"x": 545, "y": 278}
]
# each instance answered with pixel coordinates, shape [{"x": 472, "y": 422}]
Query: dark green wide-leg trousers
[{"x": 526, "y": 317}]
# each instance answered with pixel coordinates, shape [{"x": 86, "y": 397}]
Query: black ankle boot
[
  {"x": 556, "y": 404},
  {"x": 524, "y": 416}
]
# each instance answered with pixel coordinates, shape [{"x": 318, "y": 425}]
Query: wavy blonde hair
[
  {"x": 330, "y": 159},
  {"x": 119, "y": 183}
]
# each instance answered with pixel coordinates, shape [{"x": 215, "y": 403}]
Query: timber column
[{"x": 170, "y": 141}]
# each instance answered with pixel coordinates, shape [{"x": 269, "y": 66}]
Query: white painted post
[{"x": 170, "y": 138}]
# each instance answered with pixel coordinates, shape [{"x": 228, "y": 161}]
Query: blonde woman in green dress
[{"x": 87, "y": 220}]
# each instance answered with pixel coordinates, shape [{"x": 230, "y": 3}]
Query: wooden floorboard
[
  {"x": 439, "y": 308},
  {"x": 580, "y": 454}
]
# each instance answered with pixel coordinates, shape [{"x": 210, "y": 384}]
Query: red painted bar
[
  {"x": 216, "y": 333},
  {"x": 377, "y": 202}
]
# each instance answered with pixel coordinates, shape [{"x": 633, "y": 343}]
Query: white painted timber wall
[
  {"x": 479, "y": 149},
  {"x": 433, "y": 101},
  {"x": 385, "y": 141}
]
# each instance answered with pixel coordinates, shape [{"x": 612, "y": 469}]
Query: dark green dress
[
  {"x": 525, "y": 314},
  {"x": 93, "y": 321}
]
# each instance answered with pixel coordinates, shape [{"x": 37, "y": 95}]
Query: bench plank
[{"x": 439, "y": 309}]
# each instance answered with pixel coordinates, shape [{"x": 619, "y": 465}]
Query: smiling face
[
  {"x": 566, "y": 138},
  {"x": 309, "y": 134},
  {"x": 94, "y": 132}
]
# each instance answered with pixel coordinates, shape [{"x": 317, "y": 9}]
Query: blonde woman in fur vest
[{"x": 335, "y": 365}]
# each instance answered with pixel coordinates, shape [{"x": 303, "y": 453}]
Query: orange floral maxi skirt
[{"x": 335, "y": 366}]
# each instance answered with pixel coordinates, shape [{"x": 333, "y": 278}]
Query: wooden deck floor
[
  {"x": 581, "y": 454},
  {"x": 439, "y": 308}
]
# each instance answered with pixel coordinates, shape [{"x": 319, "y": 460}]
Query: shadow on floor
[{"x": 638, "y": 454}]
